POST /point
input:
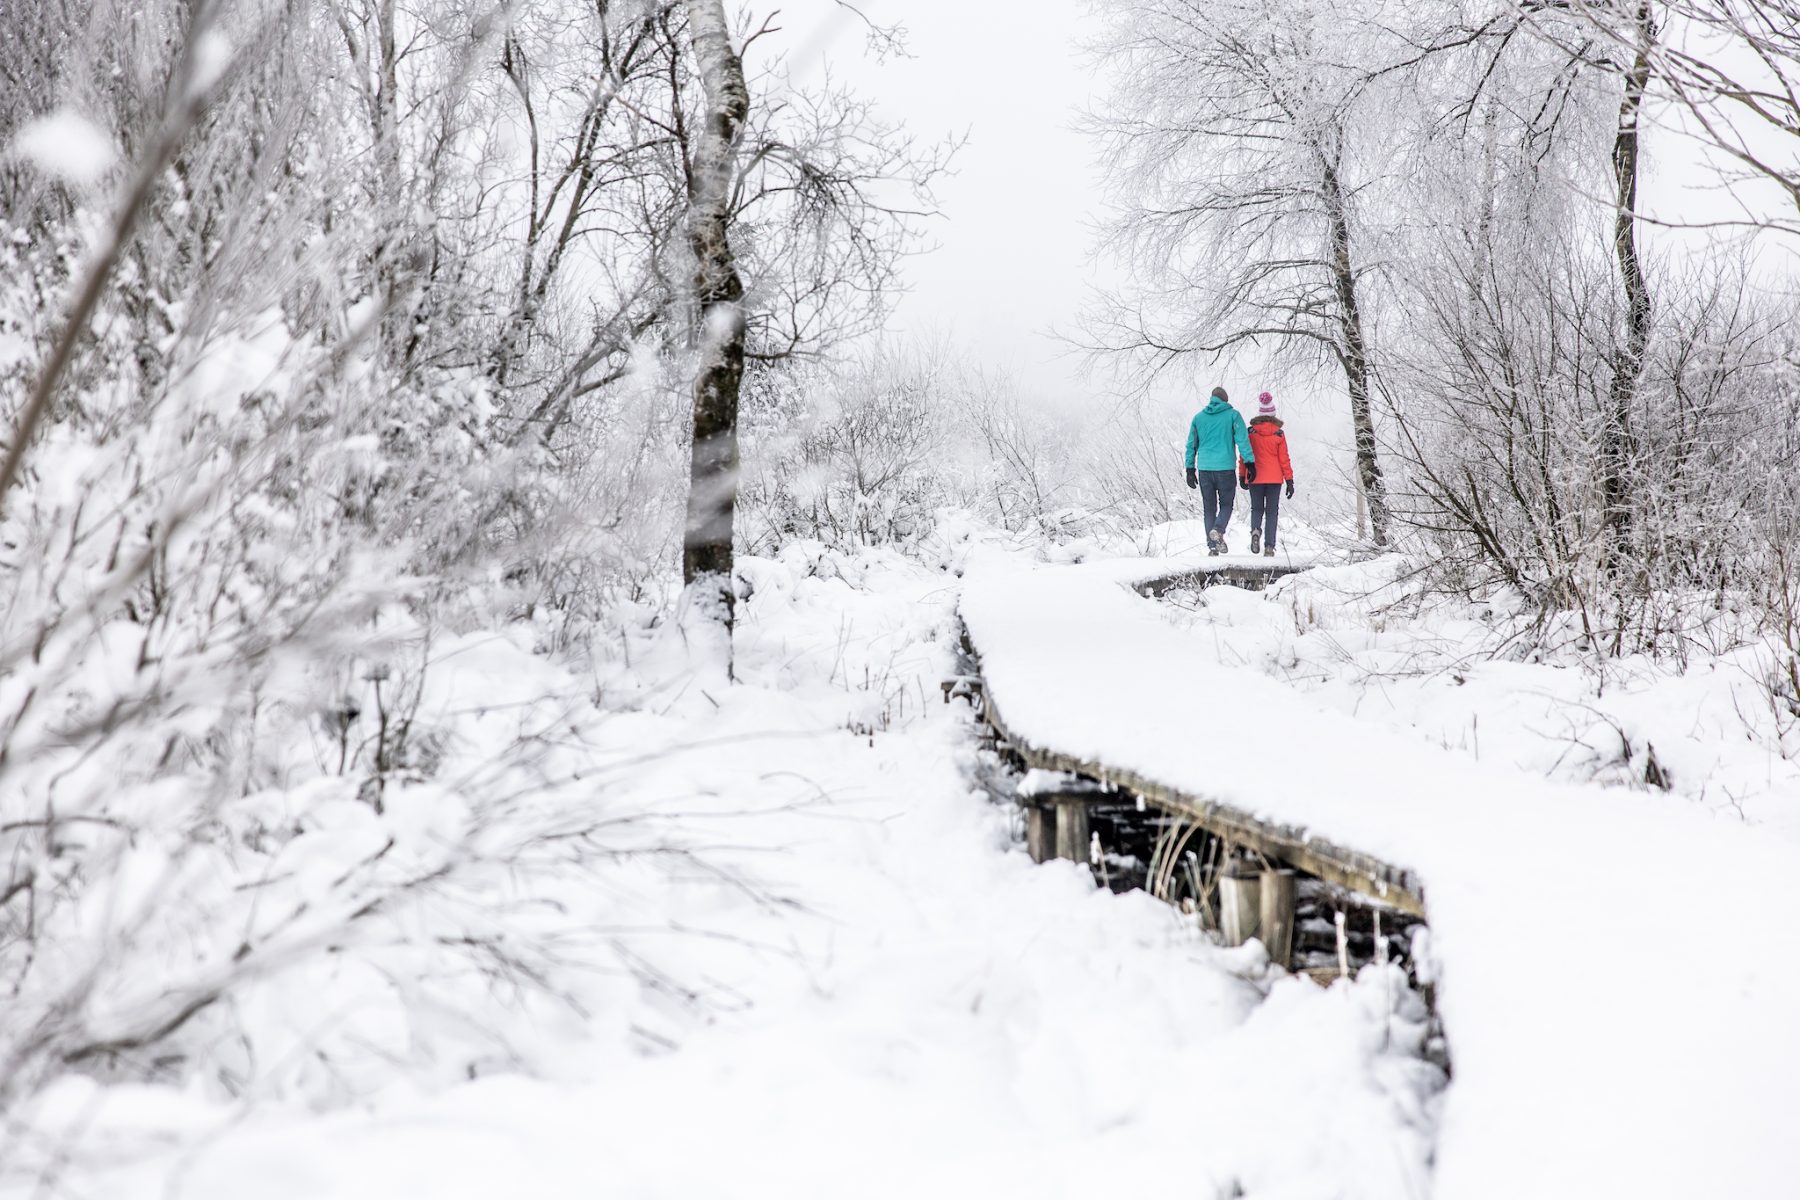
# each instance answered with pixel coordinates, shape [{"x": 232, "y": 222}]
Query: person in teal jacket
[{"x": 1217, "y": 438}]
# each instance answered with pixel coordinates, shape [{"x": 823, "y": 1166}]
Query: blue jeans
[
  {"x": 1265, "y": 508},
  {"x": 1218, "y": 492}
]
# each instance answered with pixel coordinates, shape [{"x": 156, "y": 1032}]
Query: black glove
[
  {"x": 1290, "y": 489},
  {"x": 1193, "y": 478}
]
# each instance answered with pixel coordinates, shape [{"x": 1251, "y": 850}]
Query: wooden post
[
  {"x": 1072, "y": 829},
  {"x": 1275, "y": 912},
  {"x": 1040, "y": 832},
  {"x": 1240, "y": 913}
]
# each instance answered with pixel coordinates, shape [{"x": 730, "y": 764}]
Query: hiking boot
[
  {"x": 1256, "y": 542},
  {"x": 1212, "y": 542},
  {"x": 1269, "y": 553},
  {"x": 1223, "y": 548}
]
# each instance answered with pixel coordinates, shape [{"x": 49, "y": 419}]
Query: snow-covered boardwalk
[{"x": 1616, "y": 971}]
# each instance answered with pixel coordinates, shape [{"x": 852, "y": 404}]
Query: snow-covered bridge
[{"x": 1614, "y": 969}]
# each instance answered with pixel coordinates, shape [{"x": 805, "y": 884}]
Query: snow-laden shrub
[
  {"x": 869, "y": 452},
  {"x": 1503, "y": 415},
  {"x": 158, "y": 567},
  {"x": 1024, "y": 458},
  {"x": 1779, "y": 606},
  {"x": 1134, "y": 460},
  {"x": 594, "y": 523},
  {"x": 260, "y": 506},
  {"x": 852, "y": 456},
  {"x": 269, "y": 823}
]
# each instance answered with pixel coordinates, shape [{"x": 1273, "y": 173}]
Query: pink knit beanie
[{"x": 1265, "y": 405}]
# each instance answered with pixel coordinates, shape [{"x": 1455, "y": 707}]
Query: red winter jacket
[{"x": 1269, "y": 445}]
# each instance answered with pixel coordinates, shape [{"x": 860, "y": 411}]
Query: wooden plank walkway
[
  {"x": 1381, "y": 883},
  {"x": 1377, "y": 881}
]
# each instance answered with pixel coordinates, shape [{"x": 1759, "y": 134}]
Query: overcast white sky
[{"x": 1013, "y": 243}]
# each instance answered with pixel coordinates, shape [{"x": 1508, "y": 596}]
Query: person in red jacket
[{"x": 1273, "y": 470}]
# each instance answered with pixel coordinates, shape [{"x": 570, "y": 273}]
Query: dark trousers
[
  {"x": 1218, "y": 492},
  {"x": 1265, "y": 508}
]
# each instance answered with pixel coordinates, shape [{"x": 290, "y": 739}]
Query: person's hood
[
  {"x": 1275, "y": 421},
  {"x": 1215, "y": 406}
]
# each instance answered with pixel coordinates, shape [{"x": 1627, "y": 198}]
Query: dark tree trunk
[
  {"x": 391, "y": 266},
  {"x": 1615, "y": 433},
  {"x": 1353, "y": 354},
  {"x": 718, "y": 294}
]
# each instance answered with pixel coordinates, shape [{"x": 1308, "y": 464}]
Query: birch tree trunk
[
  {"x": 719, "y": 294},
  {"x": 1353, "y": 353},
  {"x": 1615, "y": 437}
]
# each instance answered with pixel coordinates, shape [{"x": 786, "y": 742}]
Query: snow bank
[
  {"x": 1620, "y": 1012},
  {"x": 859, "y": 985},
  {"x": 1485, "y": 678}
]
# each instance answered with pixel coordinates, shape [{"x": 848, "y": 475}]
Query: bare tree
[
  {"x": 1733, "y": 69},
  {"x": 1235, "y": 139},
  {"x": 851, "y": 453},
  {"x": 592, "y": 178}
]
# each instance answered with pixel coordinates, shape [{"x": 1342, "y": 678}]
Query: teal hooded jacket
[{"x": 1210, "y": 437}]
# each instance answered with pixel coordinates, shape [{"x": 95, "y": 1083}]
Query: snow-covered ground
[
  {"x": 831, "y": 971},
  {"x": 1363, "y": 640},
  {"x": 1619, "y": 1009}
]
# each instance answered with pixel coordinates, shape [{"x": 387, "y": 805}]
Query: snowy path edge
[{"x": 1594, "y": 1055}]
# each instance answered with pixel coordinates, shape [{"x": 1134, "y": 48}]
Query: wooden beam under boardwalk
[{"x": 1252, "y": 576}]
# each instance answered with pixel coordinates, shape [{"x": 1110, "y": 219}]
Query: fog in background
[{"x": 1013, "y": 257}]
